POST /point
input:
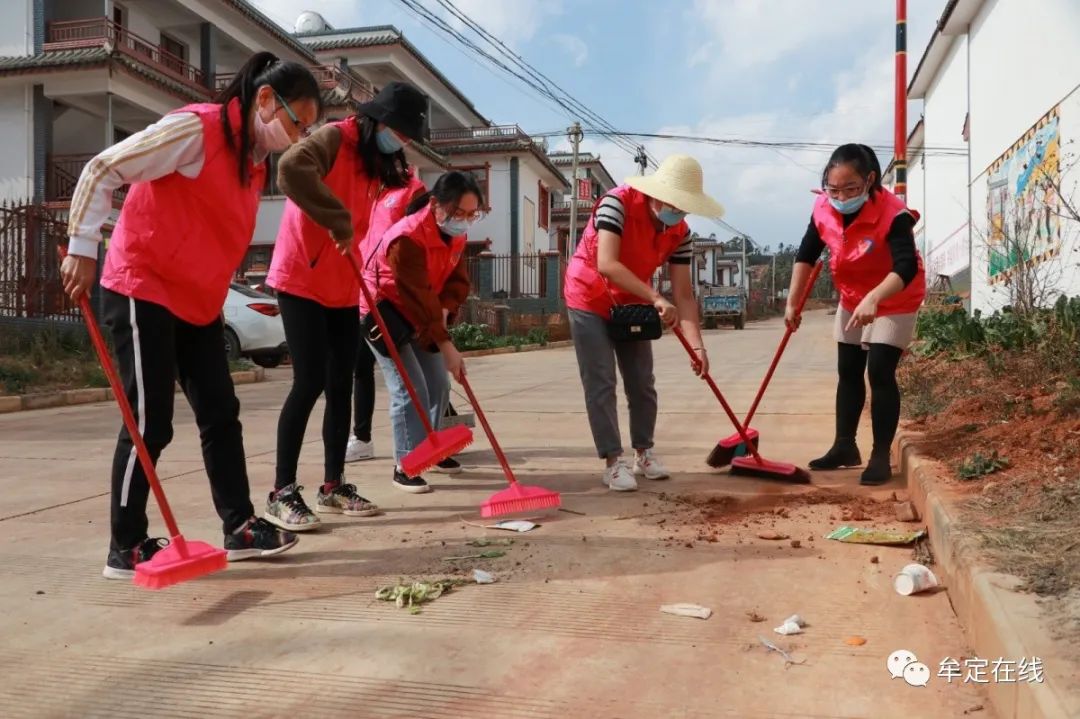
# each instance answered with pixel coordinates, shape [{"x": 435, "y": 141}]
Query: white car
[{"x": 253, "y": 327}]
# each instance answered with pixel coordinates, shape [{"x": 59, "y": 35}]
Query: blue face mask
[
  {"x": 849, "y": 206},
  {"x": 671, "y": 217},
  {"x": 387, "y": 142},
  {"x": 454, "y": 227}
]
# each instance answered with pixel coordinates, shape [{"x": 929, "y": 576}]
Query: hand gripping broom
[
  {"x": 518, "y": 497},
  {"x": 181, "y": 560},
  {"x": 438, "y": 445},
  {"x": 730, "y": 447},
  {"x": 750, "y": 466}
]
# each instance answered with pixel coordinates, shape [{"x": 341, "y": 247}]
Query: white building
[
  {"x": 999, "y": 81},
  {"x": 593, "y": 181}
]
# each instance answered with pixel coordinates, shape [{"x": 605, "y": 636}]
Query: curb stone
[
  {"x": 515, "y": 349},
  {"x": 977, "y": 592},
  {"x": 89, "y": 395}
]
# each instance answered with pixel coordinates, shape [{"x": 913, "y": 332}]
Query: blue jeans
[{"x": 432, "y": 383}]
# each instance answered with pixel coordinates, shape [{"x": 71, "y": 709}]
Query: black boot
[
  {"x": 878, "y": 470},
  {"x": 843, "y": 453}
]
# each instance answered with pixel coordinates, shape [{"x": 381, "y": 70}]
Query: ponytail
[{"x": 291, "y": 80}]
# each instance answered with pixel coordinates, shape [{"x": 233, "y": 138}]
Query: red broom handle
[
  {"x": 109, "y": 368},
  {"x": 783, "y": 343},
  {"x": 487, "y": 430},
  {"x": 719, "y": 395},
  {"x": 394, "y": 355}
]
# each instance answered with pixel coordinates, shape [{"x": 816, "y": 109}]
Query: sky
[{"x": 806, "y": 70}]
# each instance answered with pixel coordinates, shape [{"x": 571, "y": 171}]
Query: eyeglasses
[
  {"x": 849, "y": 190},
  {"x": 458, "y": 214},
  {"x": 304, "y": 131}
]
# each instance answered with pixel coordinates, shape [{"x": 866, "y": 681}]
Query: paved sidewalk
[{"x": 571, "y": 630}]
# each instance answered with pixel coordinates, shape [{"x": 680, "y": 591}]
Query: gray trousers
[{"x": 597, "y": 355}]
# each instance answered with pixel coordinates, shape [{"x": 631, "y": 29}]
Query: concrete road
[{"x": 573, "y": 627}]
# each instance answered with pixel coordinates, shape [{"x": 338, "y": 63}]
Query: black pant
[
  {"x": 323, "y": 342},
  {"x": 879, "y": 362},
  {"x": 153, "y": 349},
  {"x": 363, "y": 392}
]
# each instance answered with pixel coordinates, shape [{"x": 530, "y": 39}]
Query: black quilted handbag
[{"x": 632, "y": 323}]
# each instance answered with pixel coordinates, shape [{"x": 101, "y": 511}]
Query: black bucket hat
[{"x": 402, "y": 108}]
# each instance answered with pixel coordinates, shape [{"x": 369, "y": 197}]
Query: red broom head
[
  {"x": 519, "y": 498},
  {"x": 435, "y": 448},
  {"x": 179, "y": 562},
  {"x": 750, "y": 467},
  {"x": 731, "y": 447}
]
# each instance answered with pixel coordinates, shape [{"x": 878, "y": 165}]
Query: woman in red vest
[
  {"x": 634, "y": 229},
  {"x": 416, "y": 271},
  {"x": 196, "y": 177},
  {"x": 347, "y": 179},
  {"x": 868, "y": 232}
]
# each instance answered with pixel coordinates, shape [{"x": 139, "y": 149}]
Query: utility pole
[
  {"x": 745, "y": 270},
  {"x": 575, "y": 135},
  {"x": 641, "y": 159},
  {"x": 772, "y": 300},
  {"x": 900, "y": 138}
]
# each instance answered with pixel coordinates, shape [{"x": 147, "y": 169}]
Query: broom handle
[
  {"x": 783, "y": 343},
  {"x": 719, "y": 395},
  {"x": 109, "y": 368},
  {"x": 394, "y": 355},
  {"x": 487, "y": 430}
]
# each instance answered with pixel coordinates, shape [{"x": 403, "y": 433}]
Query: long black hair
[
  {"x": 448, "y": 190},
  {"x": 393, "y": 169},
  {"x": 291, "y": 80},
  {"x": 860, "y": 158}
]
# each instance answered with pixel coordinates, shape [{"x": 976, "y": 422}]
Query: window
[
  {"x": 118, "y": 15},
  {"x": 482, "y": 173},
  {"x": 544, "y": 196},
  {"x": 174, "y": 53}
]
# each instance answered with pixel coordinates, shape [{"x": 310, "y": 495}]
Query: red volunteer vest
[
  {"x": 642, "y": 249},
  {"x": 859, "y": 257},
  {"x": 179, "y": 241},
  {"x": 301, "y": 241},
  {"x": 442, "y": 257}
]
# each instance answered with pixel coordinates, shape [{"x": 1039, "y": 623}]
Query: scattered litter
[
  {"x": 755, "y": 617},
  {"x": 796, "y": 544},
  {"x": 485, "y": 542},
  {"x": 788, "y": 660},
  {"x": 854, "y": 641},
  {"x": 483, "y": 577},
  {"x": 855, "y": 535},
  {"x": 923, "y": 554},
  {"x": 571, "y": 511},
  {"x": 411, "y": 596},
  {"x": 514, "y": 525},
  {"x": 792, "y": 625},
  {"x": 39, "y": 592},
  {"x": 874, "y": 559},
  {"x": 772, "y": 536},
  {"x": 914, "y": 578},
  {"x": 492, "y": 554},
  {"x": 687, "y": 610},
  {"x": 972, "y": 710},
  {"x": 782, "y": 512},
  {"x": 906, "y": 512}
]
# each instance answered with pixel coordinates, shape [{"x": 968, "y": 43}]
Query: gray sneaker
[
  {"x": 287, "y": 509},
  {"x": 343, "y": 499}
]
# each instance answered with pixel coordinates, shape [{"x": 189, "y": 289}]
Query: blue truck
[{"x": 722, "y": 305}]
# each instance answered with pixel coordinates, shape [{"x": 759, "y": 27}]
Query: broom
[
  {"x": 181, "y": 560},
  {"x": 438, "y": 445},
  {"x": 732, "y": 446},
  {"x": 518, "y": 497},
  {"x": 756, "y": 466}
]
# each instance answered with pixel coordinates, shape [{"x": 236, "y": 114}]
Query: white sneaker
[
  {"x": 619, "y": 477},
  {"x": 358, "y": 451},
  {"x": 647, "y": 465}
]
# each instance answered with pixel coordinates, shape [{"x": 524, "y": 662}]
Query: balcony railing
[
  {"x": 99, "y": 32},
  {"x": 498, "y": 133},
  {"x": 62, "y": 175}
]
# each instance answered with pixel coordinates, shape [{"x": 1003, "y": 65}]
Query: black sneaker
[
  {"x": 448, "y": 466},
  {"x": 121, "y": 562},
  {"x": 841, "y": 454},
  {"x": 412, "y": 485},
  {"x": 258, "y": 538},
  {"x": 878, "y": 470}
]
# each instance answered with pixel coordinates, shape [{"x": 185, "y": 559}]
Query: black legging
[
  {"x": 880, "y": 362},
  {"x": 363, "y": 393},
  {"x": 322, "y": 344}
]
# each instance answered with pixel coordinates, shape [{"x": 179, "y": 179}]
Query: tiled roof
[
  {"x": 506, "y": 146},
  {"x": 272, "y": 27},
  {"x": 80, "y": 56}
]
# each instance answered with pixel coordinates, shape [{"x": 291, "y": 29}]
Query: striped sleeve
[
  {"x": 172, "y": 144},
  {"x": 610, "y": 215},
  {"x": 684, "y": 253}
]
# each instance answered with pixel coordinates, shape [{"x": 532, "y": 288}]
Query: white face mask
[{"x": 271, "y": 136}]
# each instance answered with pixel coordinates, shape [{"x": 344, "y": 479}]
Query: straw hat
[{"x": 678, "y": 182}]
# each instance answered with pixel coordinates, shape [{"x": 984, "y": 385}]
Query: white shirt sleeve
[{"x": 172, "y": 144}]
